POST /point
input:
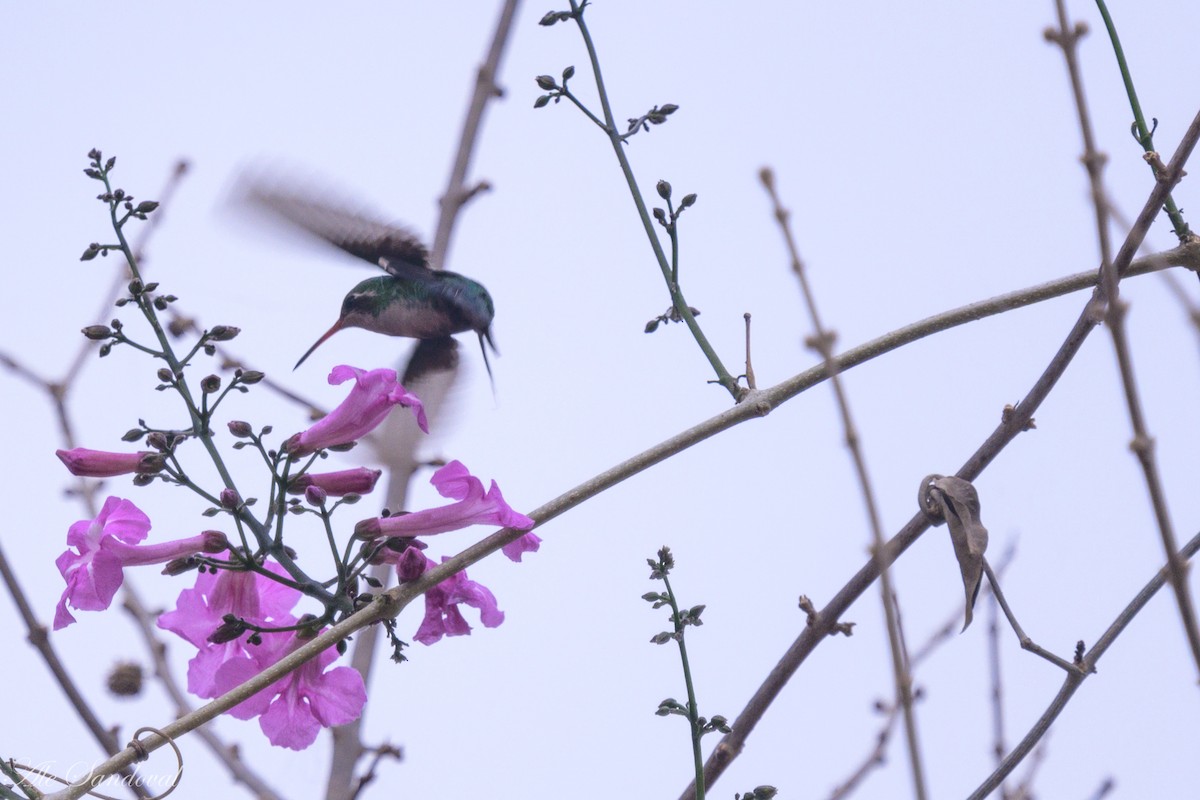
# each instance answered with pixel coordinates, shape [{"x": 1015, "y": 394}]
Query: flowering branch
[{"x": 608, "y": 125}]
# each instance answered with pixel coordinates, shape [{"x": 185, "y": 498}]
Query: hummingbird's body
[
  {"x": 429, "y": 307},
  {"x": 412, "y": 299}
]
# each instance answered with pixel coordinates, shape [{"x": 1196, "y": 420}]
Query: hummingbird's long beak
[{"x": 337, "y": 326}]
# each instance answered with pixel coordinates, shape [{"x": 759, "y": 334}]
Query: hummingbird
[{"x": 411, "y": 299}]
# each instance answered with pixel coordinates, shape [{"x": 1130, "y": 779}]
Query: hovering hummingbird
[{"x": 412, "y": 299}]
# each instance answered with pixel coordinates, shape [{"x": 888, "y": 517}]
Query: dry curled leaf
[{"x": 954, "y": 501}]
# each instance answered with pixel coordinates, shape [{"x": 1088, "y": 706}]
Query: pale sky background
[{"x": 930, "y": 155}]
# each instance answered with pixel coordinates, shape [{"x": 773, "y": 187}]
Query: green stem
[
  {"x": 1145, "y": 136},
  {"x": 201, "y": 431},
  {"x": 610, "y": 128},
  {"x": 693, "y": 711},
  {"x": 168, "y": 353}
]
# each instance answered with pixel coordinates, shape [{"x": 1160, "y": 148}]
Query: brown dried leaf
[{"x": 959, "y": 505}]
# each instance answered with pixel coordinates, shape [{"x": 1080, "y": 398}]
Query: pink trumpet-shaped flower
[
  {"x": 442, "y": 617},
  {"x": 293, "y": 710},
  {"x": 348, "y": 481},
  {"x": 199, "y": 611},
  {"x": 370, "y": 399},
  {"x": 101, "y": 464},
  {"x": 473, "y": 507},
  {"x": 104, "y": 546}
]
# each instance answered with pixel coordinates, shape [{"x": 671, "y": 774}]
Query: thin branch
[
  {"x": 1143, "y": 134},
  {"x": 1026, "y": 643},
  {"x": 39, "y": 637},
  {"x": 618, "y": 144},
  {"x": 122, "y": 274},
  {"x": 457, "y": 194},
  {"x": 822, "y": 341},
  {"x": 1142, "y": 444},
  {"x": 1076, "y": 678},
  {"x": 1010, "y": 426},
  {"x": 944, "y": 633},
  {"x": 993, "y": 656}
]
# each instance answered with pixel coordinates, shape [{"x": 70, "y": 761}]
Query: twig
[
  {"x": 940, "y": 636},
  {"x": 609, "y": 127},
  {"x": 1142, "y": 444},
  {"x": 1075, "y": 679},
  {"x": 993, "y": 648},
  {"x": 122, "y": 275},
  {"x": 1143, "y": 134},
  {"x": 457, "y": 194},
  {"x": 1026, "y": 643},
  {"x": 822, "y": 341},
  {"x": 39, "y": 638},
  {"x": 1012, "y": 424}
]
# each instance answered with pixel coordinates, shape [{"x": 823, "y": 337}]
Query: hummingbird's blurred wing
[{"x": 357, "y": 231}]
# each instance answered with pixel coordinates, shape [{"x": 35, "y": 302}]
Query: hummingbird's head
[
  {"x": 361, "y": 306},
  {"x": 364, "y": 302}
]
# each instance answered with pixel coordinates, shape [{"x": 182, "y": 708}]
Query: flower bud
[
  {"x": 412, "y": 564},
  {"x": 230, "y": 498},
  {"x": 348, "y": 481},
  {"x": 223, "y": 333},
  {"x": 664, "y": 190},
  {"x": 179, "y": 566},
  {"x": 240, "y": 429},
  {"x": 150, "y": 463},
  {"x": 232, "y": 628},
  {"x": 210, "y": 384},
  {"x": 215, "y": 542},
  {"x": 315, "y": 496},
  {"x": 86, "y": 463},
  {"x": 97, "y": 332}
]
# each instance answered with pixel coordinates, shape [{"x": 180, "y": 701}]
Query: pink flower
[
  {"x": 370, "y": 399},
  {"x": 474, "y": 507},
  {"x": 442, "y": 617},
  {"x": 100, "y": 464},
  {"x": 293, "y": 710},
  {"x": 200, "y": 610},
  {"x": 105, "y": 546},
  {"x": 348, "y": 481}
]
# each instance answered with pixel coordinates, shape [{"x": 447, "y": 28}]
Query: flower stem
[
  {"x": 1143, "y": 134},
  {"x": 610, "y": 129},
  {"x": 693, "y": 713}
]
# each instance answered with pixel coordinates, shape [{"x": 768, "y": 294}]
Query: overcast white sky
[{"x": 930, "y": 156}]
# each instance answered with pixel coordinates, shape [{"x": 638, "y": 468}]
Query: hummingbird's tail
[{"x": 487, "y": 334}]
